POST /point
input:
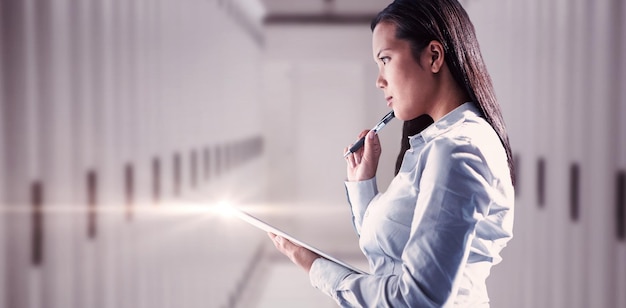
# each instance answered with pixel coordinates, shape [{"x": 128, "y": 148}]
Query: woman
[{"x": 433, "y": 236}]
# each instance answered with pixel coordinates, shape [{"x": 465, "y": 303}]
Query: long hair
[{"x": 421, "y": 21}]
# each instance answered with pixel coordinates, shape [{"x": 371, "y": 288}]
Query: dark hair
[{"x": 422, "y": 21}]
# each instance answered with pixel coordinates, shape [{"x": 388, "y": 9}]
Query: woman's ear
[{"x": 435, "y": 50}]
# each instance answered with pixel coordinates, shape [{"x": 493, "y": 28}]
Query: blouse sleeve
[
  {"x": 360, "y": 194},
  {"x": 453, "y": 187}
]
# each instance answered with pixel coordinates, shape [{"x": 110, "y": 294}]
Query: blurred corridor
[{"x": 126, "y": 123}]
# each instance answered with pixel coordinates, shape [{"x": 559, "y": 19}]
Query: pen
[{"x": 376, "y": 128}]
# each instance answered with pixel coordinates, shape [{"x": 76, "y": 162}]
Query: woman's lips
[{"x": 389, "y": 100}]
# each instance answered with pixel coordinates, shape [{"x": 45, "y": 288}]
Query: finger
[
  {"x": 277, "y": 240},
  {"x": 372, "y": 138},
  {"x": 279, "y": 243},
  {"x": 274, "y": 240},
  {"x": 283, "y": 242},
  {"x": 372, "y": 145},
  {"x": 363, "y": 134},
  {"x": 350, "y": 159}
]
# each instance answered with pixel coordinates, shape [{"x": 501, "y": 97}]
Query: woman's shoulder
[
  {"x": 472, "y": 139},
  {"x": 472, "y": 134}
]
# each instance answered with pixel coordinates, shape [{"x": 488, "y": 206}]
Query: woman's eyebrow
[{"x": 378, "y": 54}]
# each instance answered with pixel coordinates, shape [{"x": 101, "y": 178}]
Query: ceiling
[{"x": 322, "y": 11}]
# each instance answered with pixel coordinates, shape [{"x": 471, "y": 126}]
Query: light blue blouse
[{"x": 433, "y": 236}]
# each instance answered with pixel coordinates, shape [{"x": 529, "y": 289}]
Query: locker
[
  {"x": 538, "y": 159},
  {"x": 158, "y": 129},
  {"x": 54, "y": 152},
  {"x": 142, "y": 190},
  {"x": 559, "y": 184},
  {"x": 20, "y": 144},
  {"x": 576, "y": 274},
  {"x": 3, "y": 202},
  {"x": 120, "y": 228},
  {"x": 620, "y": 265},
  {"x": 599, "y": 152},
  {"x": 517, "y": 132},
  {"x": 85, "y": 100},
  {"x": 107, "y": 162},
  {"x": 525, "y": 206}
]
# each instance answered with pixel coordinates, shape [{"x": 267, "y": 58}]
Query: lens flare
[{"x": 224, "y": 209}]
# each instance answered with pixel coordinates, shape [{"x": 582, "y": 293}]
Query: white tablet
[{"x": 269, "y": 228}]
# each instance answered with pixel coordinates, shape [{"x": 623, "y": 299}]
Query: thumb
[{"x": 372, "y": 145}]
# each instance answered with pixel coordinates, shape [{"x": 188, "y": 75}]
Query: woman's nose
[{"x": 380, "y": 81}]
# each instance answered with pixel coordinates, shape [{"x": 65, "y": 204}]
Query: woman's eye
[{"x": 384, "y": 60}]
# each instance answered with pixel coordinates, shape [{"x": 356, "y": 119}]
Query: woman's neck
[{"x": 449, "y": 96}]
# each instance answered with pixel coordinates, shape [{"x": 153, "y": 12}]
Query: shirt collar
[{"x": 453, "y": 118}]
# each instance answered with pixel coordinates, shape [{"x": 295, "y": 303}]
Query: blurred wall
[
  {"x": 320, "y": 78},
  {"x": 120, "y": 121}
]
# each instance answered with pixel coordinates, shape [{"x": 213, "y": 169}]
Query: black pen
[{"x": 376, "y": 128}]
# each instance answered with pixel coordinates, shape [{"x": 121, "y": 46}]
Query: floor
[{"x": 288, "y": 286}]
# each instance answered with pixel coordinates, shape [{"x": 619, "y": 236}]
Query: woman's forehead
[
  {"x": 384, "y": 38},
  {"x": 384, "y": 34}
]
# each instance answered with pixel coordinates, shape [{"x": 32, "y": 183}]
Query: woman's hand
[
  {"x": 363, "y": 163},
  {"x": 298, "y": 255}
]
